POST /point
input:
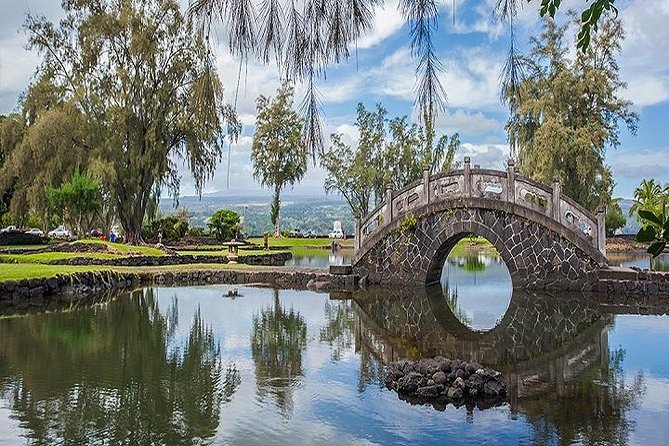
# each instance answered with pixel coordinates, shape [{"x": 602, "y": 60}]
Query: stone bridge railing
[{"x": 483, "y": 183}]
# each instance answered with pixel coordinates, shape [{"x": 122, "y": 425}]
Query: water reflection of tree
[
  {"x": 660, "y": 263},
  {"x": 113, "y": 375},
  {"x": 593, "y": 410},
  {"x": 372, "y": 370},
  {"x": 339, "y": 327},
  {"x": 452, "y": 302},
  {"x": 278, "y": 338}
]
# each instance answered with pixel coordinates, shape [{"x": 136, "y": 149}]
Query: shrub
[
  {"x": 614, "y": 219},
  {"x": 224, "y": 224},
  {"x": 408, "y": 224}
]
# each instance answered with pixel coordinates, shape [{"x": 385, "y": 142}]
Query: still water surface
[{"x": 188, "y": 366}]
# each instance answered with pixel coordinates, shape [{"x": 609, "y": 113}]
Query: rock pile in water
[{"x": 444, "y": 380}]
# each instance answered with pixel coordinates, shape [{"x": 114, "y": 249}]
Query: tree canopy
[
  {"x": 125, "y": 83},
  {"x": 278, "y": 151},
  {"x": 224, "y": 224},
  {"x": 567, "y": 112},
  {"x": 77, "y": 201},
  {"x": 390, "y": 152}
]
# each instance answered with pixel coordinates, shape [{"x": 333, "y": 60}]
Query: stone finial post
[
  {"x": 388, "y": 214},
  {"x": 511, "y": 181},
  {"x": 426, "y": 186},
  {"x": 557, "y": 191},
  {"x": 358, "y": 235},
  {"x": 468, "y": 177},
  {"x": 601, "y": 229}
]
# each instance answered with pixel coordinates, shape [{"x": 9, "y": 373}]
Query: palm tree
[{"x": 648, "y": 196}]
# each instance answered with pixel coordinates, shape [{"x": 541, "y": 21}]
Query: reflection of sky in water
[
  {"x": 480, "y": 287},
  {"x": 639, "y": 260},
  {"x": 331, "y": 406},
  {"x": 323, "y": 260}
]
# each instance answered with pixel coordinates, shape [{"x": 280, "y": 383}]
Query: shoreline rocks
[
  {"x": 26, "y": 295},
  {"x": 440, "y": 381}
]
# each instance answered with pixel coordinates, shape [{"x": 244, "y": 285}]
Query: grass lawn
[
  {"x": 19, "y": 271},
  {"x": 46, "y": 257},
  {"x": 465, "y": 248},
  {"x": 224, "y": 252},
  {"x": 21, "y": 247},
  {"x": 125, "y": 249}
]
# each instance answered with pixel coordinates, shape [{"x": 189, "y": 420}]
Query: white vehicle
[
  {"x": 336, "y": 234},
  {"x": 59, "y": 232},
  {"x": 35, "y": 231},
  {"x": 9, "y": 229}
]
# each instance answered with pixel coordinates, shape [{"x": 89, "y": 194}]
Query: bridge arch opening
[{"x": 475, "y": 281}]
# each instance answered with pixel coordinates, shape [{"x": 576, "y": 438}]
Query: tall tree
[
  {"x": 567, "y": 112},
  {"x": 278, "y": 152},
  {"x": 146, "y": 91},
  {"x": 303, "y": 38},
  {"x": 390, "y": 152},
  {"x": 40, "y": 151}
]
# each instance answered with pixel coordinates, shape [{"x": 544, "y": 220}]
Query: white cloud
[
  {"x": 491, "y": 156},
  {"x": 471, "y": 78},
  {"x": 387, "y": 21},
  {"x": 638, "y": 164},
  {"x": 466, "y": 122},
  {"x": 644, "y": 62}
]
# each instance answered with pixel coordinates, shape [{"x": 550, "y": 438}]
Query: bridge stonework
[{"x": 546, "y": 240}]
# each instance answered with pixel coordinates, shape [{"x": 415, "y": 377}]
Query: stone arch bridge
[{"x": 547, "y": 240}]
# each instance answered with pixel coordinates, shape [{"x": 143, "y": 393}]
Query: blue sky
[{"x": 382, "y": 70}]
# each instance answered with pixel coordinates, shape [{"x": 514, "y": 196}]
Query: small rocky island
[{"x": 441, "y": 381}]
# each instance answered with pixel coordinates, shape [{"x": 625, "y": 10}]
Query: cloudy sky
[{"x": 472, "y": 48}]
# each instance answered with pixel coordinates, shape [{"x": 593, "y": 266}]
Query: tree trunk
[
  {"x": 276, "y": 210},
  {"x": 133, "y": 236},
  {"x": 277, "y": 228}
]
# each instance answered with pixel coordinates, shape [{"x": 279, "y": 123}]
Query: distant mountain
[
  {"x": 314, "y": 213},
  {"x": 632, "y": 225},
  {"x": 307, "y": 212}
]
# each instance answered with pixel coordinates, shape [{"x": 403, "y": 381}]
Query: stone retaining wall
[
  {"x": 80, "y": 288},
  {"x": 269, "y": 259},
  {"x": 618, "y": 281}
]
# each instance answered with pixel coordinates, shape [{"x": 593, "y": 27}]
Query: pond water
[
  {"x": 639, "y": 260},
  {"x": 322, "y": 259},
  {"x": 189, "y": 366}
]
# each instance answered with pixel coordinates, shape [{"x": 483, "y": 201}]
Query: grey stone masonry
[{"x": 547, "y": 240}]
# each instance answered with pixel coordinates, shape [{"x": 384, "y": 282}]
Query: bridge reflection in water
[
  {"x": 542, "y": 341},
  {"x": 552, "y": 350}
]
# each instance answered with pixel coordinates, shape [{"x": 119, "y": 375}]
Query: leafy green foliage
[
  {"x": 567, "y": 112},
  {"x": 408, "y": 224},
  {"x": 590, "y": 17},
  {"x": 651, "y": 203},
  {"x": 77, "y": 201},
  {"x": 224, "y": 224},
  {"x": 278, "y": 152},
  {"x": 614, "y": 218},
  {"x": 127, "y": 86},
  {"x": 390, "y": 152},
  {"x": 171, "y": 227},
  {"x": 39, "y": 152}
]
